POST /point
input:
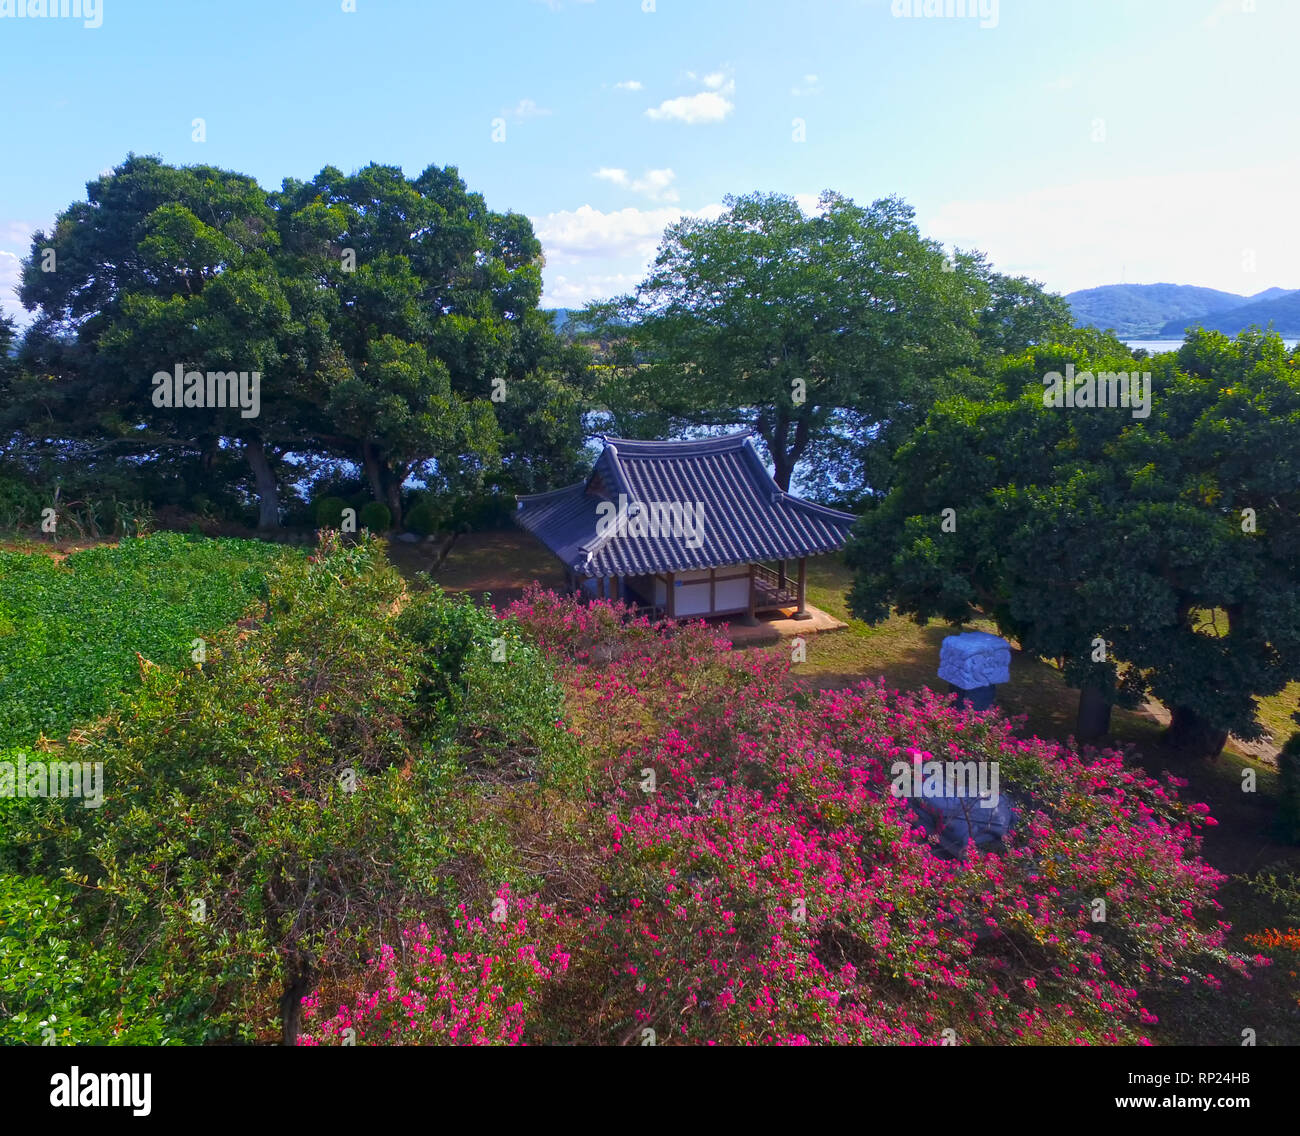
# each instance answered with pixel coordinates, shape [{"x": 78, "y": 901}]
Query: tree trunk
[
  {"x": 268, "y": 513},
  {"x": 395, "y": 501},
  {"x": 781, "y": 474},
  {"x": 297, "y": 988},
  {"x": 1094, "y": 713},
  {"x": 785, "y": 452},
  {"x": 1194, "y": 735},
  {"x": 374, "y": 470}
]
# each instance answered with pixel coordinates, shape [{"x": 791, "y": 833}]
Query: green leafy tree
[
  {"x": 1156, "y": 554},
  {"x": 825, "y": 334},
  {"x": 163, "y": 267},
  {"x": 431, "y": 312},
  {"x": 386, "y": 317}
]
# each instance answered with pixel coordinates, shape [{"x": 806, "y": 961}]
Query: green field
[{"x": 70, "y": 628}]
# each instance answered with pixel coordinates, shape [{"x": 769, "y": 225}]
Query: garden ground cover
[{"x": 70, "y": 628}]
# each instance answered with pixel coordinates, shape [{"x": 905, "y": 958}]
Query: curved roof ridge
[
  {"x": 824, "y": 510},
  {"x": 633, "y": 447},
  {"x": 520, "y": 498}
]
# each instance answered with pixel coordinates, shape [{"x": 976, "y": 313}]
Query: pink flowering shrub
[
  {"x": 472, "y": 987},
  {"x": 772, "y": 889},
  {"x": 749, "y": 876}
]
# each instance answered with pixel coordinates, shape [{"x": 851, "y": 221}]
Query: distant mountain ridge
[
  {"x": 1283, "y": 312},
  {"x": 1138, "y": 311}
]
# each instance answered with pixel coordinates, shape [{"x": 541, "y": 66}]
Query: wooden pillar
[
  {"x": 713, "y": 590},
  {"x": 780, "y": 575},
  {"x": 803, "y": 580},
  {"x": 751, "y": 593},
  {"x": 670, "y": 597}
]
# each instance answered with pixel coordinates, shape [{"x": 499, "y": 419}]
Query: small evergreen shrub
[
  {"x": 422, "y": 519},
  {"x": 376, "y": 516},
  {"x": 329, "y": 512}
]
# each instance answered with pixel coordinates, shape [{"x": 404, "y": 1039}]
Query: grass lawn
[
  {"x": 501, "y": 564},
  {"x": 907, "y": 656}
]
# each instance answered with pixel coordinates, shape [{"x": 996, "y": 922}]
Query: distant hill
[
  {"x": 569, "y": 323},
  {"x": 1271, "y": 294},
  {"x": 1139, "y": 311},
  {"x": 562, "y": 316},
  {"x": 1282, "y": 311}
]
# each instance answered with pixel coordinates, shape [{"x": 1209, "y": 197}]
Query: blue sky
[{"x": 1078, "y": 143}]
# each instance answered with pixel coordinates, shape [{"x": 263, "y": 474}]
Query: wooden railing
[{"x": 772, "y": 582}]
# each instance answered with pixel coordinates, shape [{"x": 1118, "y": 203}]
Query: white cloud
[
  {"x": 1224, "y": 10},
  {"x": 711, "y": 105},
  {"x": 811, "y": 86},
  {"x": 1203, "y": 227},
  {"x": 573, "y": 235},
  {"x": 592, "y": 255},
  {"x": 15, "y": 244},
  {"x": 707, "y": 106},
  {"x": 655, "y": 184},
  {"x": 628, "y": 85},
  {"x": 10, "y": 276},
  {"x": 567, "y": 292},
  {"x": 525, "y": 109},
  {"x": 810, "y": 203}
]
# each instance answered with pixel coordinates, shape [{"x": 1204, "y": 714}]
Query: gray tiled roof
[{"x": 745, "y": 514}]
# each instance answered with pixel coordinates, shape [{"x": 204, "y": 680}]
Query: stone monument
[{"x": 974, "y": 663}]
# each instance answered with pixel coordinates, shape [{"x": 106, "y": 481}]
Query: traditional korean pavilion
[{"x": 694, "y": 528}]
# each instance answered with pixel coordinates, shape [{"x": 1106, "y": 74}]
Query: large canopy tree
[
  {"x": 163, "y": 267},
  {"x": 391, "y": 320},
  {"x": 822, "y": 333},
  {"x": 432, "y": 311},
  {"x": 1174, "y": 539}
]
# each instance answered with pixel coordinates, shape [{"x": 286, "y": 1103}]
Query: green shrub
[
  {"x": 422, "y": 518},
  {"x": 491, "y": 690},
  {"x": 268, "y": 815},
  {"x": 481, "y": 512},
  {"x": 329, "y": 512},
  {"x": 55, "y": 988},
  {"x": 376, "y": 516},
  {"x": 20, "y": 504}
]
